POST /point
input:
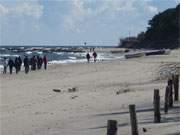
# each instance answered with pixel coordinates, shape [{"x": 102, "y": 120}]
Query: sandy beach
[{"x": 103, "y": 91}]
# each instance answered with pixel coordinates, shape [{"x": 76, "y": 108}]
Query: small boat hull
[
  {"x": 134, "y": 55},
  {"x": 158, "y": 52}
]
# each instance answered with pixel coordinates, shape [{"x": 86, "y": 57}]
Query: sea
[{"x": 58, "y": 54}]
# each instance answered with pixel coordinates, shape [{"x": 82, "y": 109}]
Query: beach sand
[{"x": 103, "y": 91}]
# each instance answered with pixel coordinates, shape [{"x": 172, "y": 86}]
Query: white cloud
[
  {"x": 149, "y": 8},
  {"x": 25, "y": 14},
  {"x": 76, "y": 16},
  {"x": 120, "y": 5},
  {"x": 3, "y": 10},
  {"x": 83, "y": 9},
  {"x": 30, "y": 9},
  {"x": 152, "y": 9},
  {"x": 177, "y": 1}
]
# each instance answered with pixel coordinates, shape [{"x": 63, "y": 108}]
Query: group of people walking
[
  {"x": 35, "y": 62},
  {"x": 94, "y": 55}
]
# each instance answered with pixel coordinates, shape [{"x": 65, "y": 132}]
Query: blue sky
[{"x": 73, "y": 22}]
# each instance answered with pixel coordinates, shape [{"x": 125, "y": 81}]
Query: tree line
[{"x": 163, "y": 31}]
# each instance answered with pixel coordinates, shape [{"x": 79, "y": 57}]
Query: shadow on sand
[
  {"x": 100, "y": 127},
  {"x": 166, "y": 118},
  {"x": 174, "y": 133},
  {"x": 142, "y": 110}
]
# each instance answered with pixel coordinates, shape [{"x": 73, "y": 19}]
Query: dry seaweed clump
[
  {"x": 168, "y": 70},
  {"x": 74, "y": 89}
]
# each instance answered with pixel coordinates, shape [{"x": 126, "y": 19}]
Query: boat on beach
[
  {"x": 134, "y": 55},
  {"x": 120, "y": 51},
  {"x": 158, "y": 52}
]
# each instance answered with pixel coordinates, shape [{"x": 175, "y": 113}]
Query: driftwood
[{"x": 56, "y": 90}]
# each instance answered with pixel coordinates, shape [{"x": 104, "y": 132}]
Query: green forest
[{"x": 163, "y": 31}]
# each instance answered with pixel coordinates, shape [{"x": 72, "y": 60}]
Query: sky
[{"x": 73, "y": 22}]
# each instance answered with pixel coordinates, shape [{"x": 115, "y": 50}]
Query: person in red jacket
[{"x": 45, "y": 62}]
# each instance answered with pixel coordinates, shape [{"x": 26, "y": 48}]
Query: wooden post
[
  {"x": 112, "y": 127},
  {"x": 176, "y": 87},
  {"x": 134, "y": 126},
  {"x": 170, "y": 94},
  {"x": 166, "y": 104},
  {"x": 157, "y": 114}
]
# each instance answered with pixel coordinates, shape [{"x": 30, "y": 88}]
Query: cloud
[
  {"x": 29, "y": 9},
  {"x": 3, "y": 10},
  {"x": 152, "y": 9},
  {"x": 82, "y": 10},
  {"x": 177, "y": 1},
  {"x": 21, "y": 9},
  {"x": 21, "y": 14},
  {"x": 149, "y": 8},
  {"x": 94, "y": 8},
  {"x": 120, "y": 5}
]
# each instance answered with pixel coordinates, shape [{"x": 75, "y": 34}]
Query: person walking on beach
[
  {"x": 10, "y": 64},
  {"x": 33, "y": 63},
  {"x": 39, "y": 62},
  {"x": 5, "y": 65},
  {"x": 16, "y": 65},
  {"x": 88, "y": 57},
  {"x": 26, "y": 64},
  {"x": 45, "y": 62},
  {"x": 94, "y": 56},
  {"x": 20, "y": 63}
]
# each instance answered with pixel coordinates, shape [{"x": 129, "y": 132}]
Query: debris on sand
[
  {"x": 167, "y": 70},
  {"x": 56, "y": 90},
  {"x": 70, "y": 90},
  {"x": 74, "y": 89},
  {"x": 122, "y": 91},
  {"x": 144, "y": 129},
  {"x": 73, "y": 97}
]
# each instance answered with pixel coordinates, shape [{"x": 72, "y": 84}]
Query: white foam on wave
[
  {"x": 66, "y": 61},
  {"x": 1, "y": 66},
  {"x": 59, "y": 53},
  {"x": 74, "y": 58},
  {"x": 80, "y": 54},
  {"x": 8, "y": 55},
  {"x": 5, "y": 55},
  {"x": 39, "y": 52},
  {"x": 71, "y": 52},
  {"x": 100, "y": 57},
  {"x": 28, "y": 52}
]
